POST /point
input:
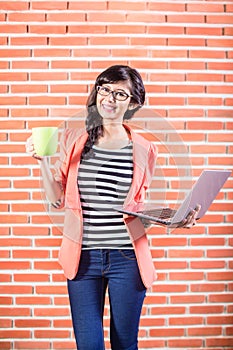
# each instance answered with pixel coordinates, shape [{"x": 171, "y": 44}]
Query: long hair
[{"x": 113, "y": 74}]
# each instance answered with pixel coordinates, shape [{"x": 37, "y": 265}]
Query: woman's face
[{"x": 109, "y": 107}]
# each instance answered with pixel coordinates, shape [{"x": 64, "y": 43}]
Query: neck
[
  {"x": 115, "y": 136},
  {"x": 114, "y": 130}
]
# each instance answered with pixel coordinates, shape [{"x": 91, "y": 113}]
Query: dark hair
[{"x": 111, "y": 75}]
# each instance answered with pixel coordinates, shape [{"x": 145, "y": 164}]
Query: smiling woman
[{"x": 104, "y": 166}]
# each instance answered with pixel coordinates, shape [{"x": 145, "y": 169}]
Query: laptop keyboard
[{"x": 162, "y": 213}]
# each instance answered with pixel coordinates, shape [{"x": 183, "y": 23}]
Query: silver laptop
[{"x": 203, "y": 192}]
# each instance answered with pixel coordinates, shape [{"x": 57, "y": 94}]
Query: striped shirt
[{"x": 104, "y": 181}]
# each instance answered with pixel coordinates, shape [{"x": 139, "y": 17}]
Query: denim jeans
[{"x": 117, "y": 270}]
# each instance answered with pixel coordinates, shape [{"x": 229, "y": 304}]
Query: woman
[{"x": 106, "y": 165}]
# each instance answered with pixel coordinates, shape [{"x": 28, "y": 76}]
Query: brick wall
[{"x": 51, "y": 52}]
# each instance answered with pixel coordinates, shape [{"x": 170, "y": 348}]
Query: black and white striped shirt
[{"x": 104, "y": 181}]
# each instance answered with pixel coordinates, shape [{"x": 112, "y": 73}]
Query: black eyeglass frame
[{"x": 113, "y": 92}]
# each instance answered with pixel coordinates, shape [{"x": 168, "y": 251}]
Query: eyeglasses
[{"x": 119, "y": 95}]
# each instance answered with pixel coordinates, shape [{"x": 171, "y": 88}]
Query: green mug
[{"x": 45, "y": 140}]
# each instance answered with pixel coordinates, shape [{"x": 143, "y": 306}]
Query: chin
[{"x": 110, "y": 116}]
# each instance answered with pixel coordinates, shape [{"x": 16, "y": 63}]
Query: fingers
[
  {"x": 192, "y": 216},
  {"x": 190, "y": 220},
  {"x": 31, "y": 150},
  {"x": 29, "y": 145}
]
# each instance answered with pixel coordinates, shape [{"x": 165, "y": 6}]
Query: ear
[{"x": 133, "y": 106}]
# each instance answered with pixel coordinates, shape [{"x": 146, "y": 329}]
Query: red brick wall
[{"x": 51, "y": 52}]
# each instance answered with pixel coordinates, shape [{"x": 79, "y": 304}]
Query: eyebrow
[{"x": 106, "y": 85}]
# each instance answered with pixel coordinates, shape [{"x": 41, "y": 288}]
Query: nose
[{"x": 111, "y": 97}]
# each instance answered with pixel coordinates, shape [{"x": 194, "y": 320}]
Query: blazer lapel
[
  {"x": 140, "y": 155},
  {"x": 72, "y": 188}
]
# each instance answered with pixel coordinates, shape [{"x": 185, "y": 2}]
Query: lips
[{"x": 108, "y": 108}]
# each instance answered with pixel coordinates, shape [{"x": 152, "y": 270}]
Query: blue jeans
[{"x": 117, "y": 270}]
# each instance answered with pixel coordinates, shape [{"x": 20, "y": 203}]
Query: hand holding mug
[
  {"x": 30, "y": 149},
  {"x": 43, "y": 142}
]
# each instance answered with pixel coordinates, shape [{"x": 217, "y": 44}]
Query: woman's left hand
[
  {"x": 190, "y": 219},
  {"x": 188, "y": 222}
]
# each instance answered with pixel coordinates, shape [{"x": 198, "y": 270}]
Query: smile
[{"x": 108, "y": 108}]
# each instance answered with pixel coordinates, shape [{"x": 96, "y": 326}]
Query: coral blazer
[{"x": 66, "y": 170}]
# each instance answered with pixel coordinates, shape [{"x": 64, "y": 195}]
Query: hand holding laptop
[
  {"x": 199, "y": 197},
  {"x": 188, "y": 222},
  {"x": 190, "y": 219}
]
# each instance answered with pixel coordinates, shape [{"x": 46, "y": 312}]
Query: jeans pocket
[{"x": 128, "y": 254}]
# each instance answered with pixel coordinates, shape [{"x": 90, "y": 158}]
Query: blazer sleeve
[
  {"x": 150, "y": 167},
  {"x": 149, "y": 172},
  {"x": 60, "y": 168}
]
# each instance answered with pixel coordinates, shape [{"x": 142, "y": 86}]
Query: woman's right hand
[{"x": 31, "y": 150}]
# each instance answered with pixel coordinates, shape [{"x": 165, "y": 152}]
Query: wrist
[{"x": 41, "y": 160}]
